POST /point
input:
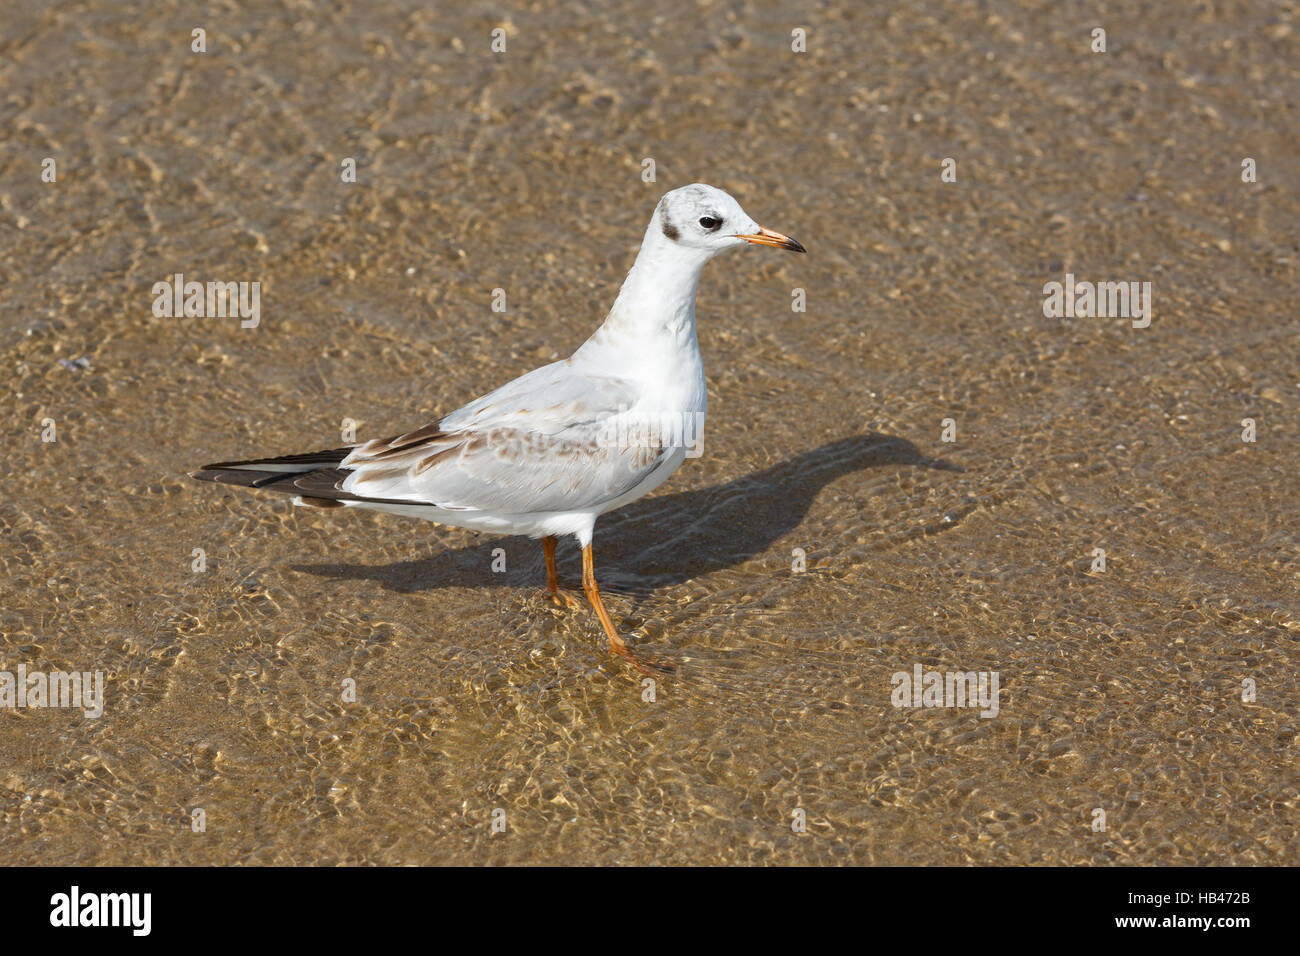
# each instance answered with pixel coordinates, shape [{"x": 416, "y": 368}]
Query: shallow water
[{"x": 1120, "y": 690}]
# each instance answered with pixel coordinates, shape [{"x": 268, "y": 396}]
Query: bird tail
[{"x": 313, "y": 478}]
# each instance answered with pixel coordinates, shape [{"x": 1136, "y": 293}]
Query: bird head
[{"x": 707, "y": 220}]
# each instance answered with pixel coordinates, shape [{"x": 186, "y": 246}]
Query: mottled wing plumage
[{"x": 502, "y": 454}]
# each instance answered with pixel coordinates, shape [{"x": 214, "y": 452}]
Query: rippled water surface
[{"x": 1120, "y": 689}]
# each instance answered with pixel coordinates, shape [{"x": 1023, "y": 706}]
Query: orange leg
[
  {"x": 561, "y": 598},
  {"x": 616, "y": 643}
]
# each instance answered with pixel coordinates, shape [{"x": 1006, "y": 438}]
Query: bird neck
[{"x": 657, "y": 300}]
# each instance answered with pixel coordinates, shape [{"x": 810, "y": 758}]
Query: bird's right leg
[{"x": 560, "y": 598}]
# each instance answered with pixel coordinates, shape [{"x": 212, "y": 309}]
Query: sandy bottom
[{"x": 1120, "y": 690}]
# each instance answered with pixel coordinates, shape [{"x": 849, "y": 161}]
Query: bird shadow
[{"x": 665, "y": 540}]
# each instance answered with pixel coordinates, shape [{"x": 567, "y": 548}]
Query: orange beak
[{"x": 767, "y": 237}]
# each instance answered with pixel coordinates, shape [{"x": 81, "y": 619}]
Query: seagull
[{"x": 548, "y": 453}]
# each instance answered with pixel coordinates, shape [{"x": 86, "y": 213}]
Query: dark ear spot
[{"x": 669, "y": 229}]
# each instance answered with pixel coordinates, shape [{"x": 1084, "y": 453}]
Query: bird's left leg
[
  {"x": 616, "y": 643},
  {"x": 560, "y": 598}
]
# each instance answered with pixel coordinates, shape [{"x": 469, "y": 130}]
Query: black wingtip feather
[
  {"x": 247, "y": 475},
  {"x": 327, "y": 458}
]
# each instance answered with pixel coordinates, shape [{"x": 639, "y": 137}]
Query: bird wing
[{"x": 542, "y": 442}]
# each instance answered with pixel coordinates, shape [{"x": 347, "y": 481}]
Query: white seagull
[{"x": 551, "y": 451}]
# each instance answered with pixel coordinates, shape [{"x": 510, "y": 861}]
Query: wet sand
[{"x": 1120, "y": 689}]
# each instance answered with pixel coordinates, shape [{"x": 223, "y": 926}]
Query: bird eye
[{"x": 709, "y": 223}]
